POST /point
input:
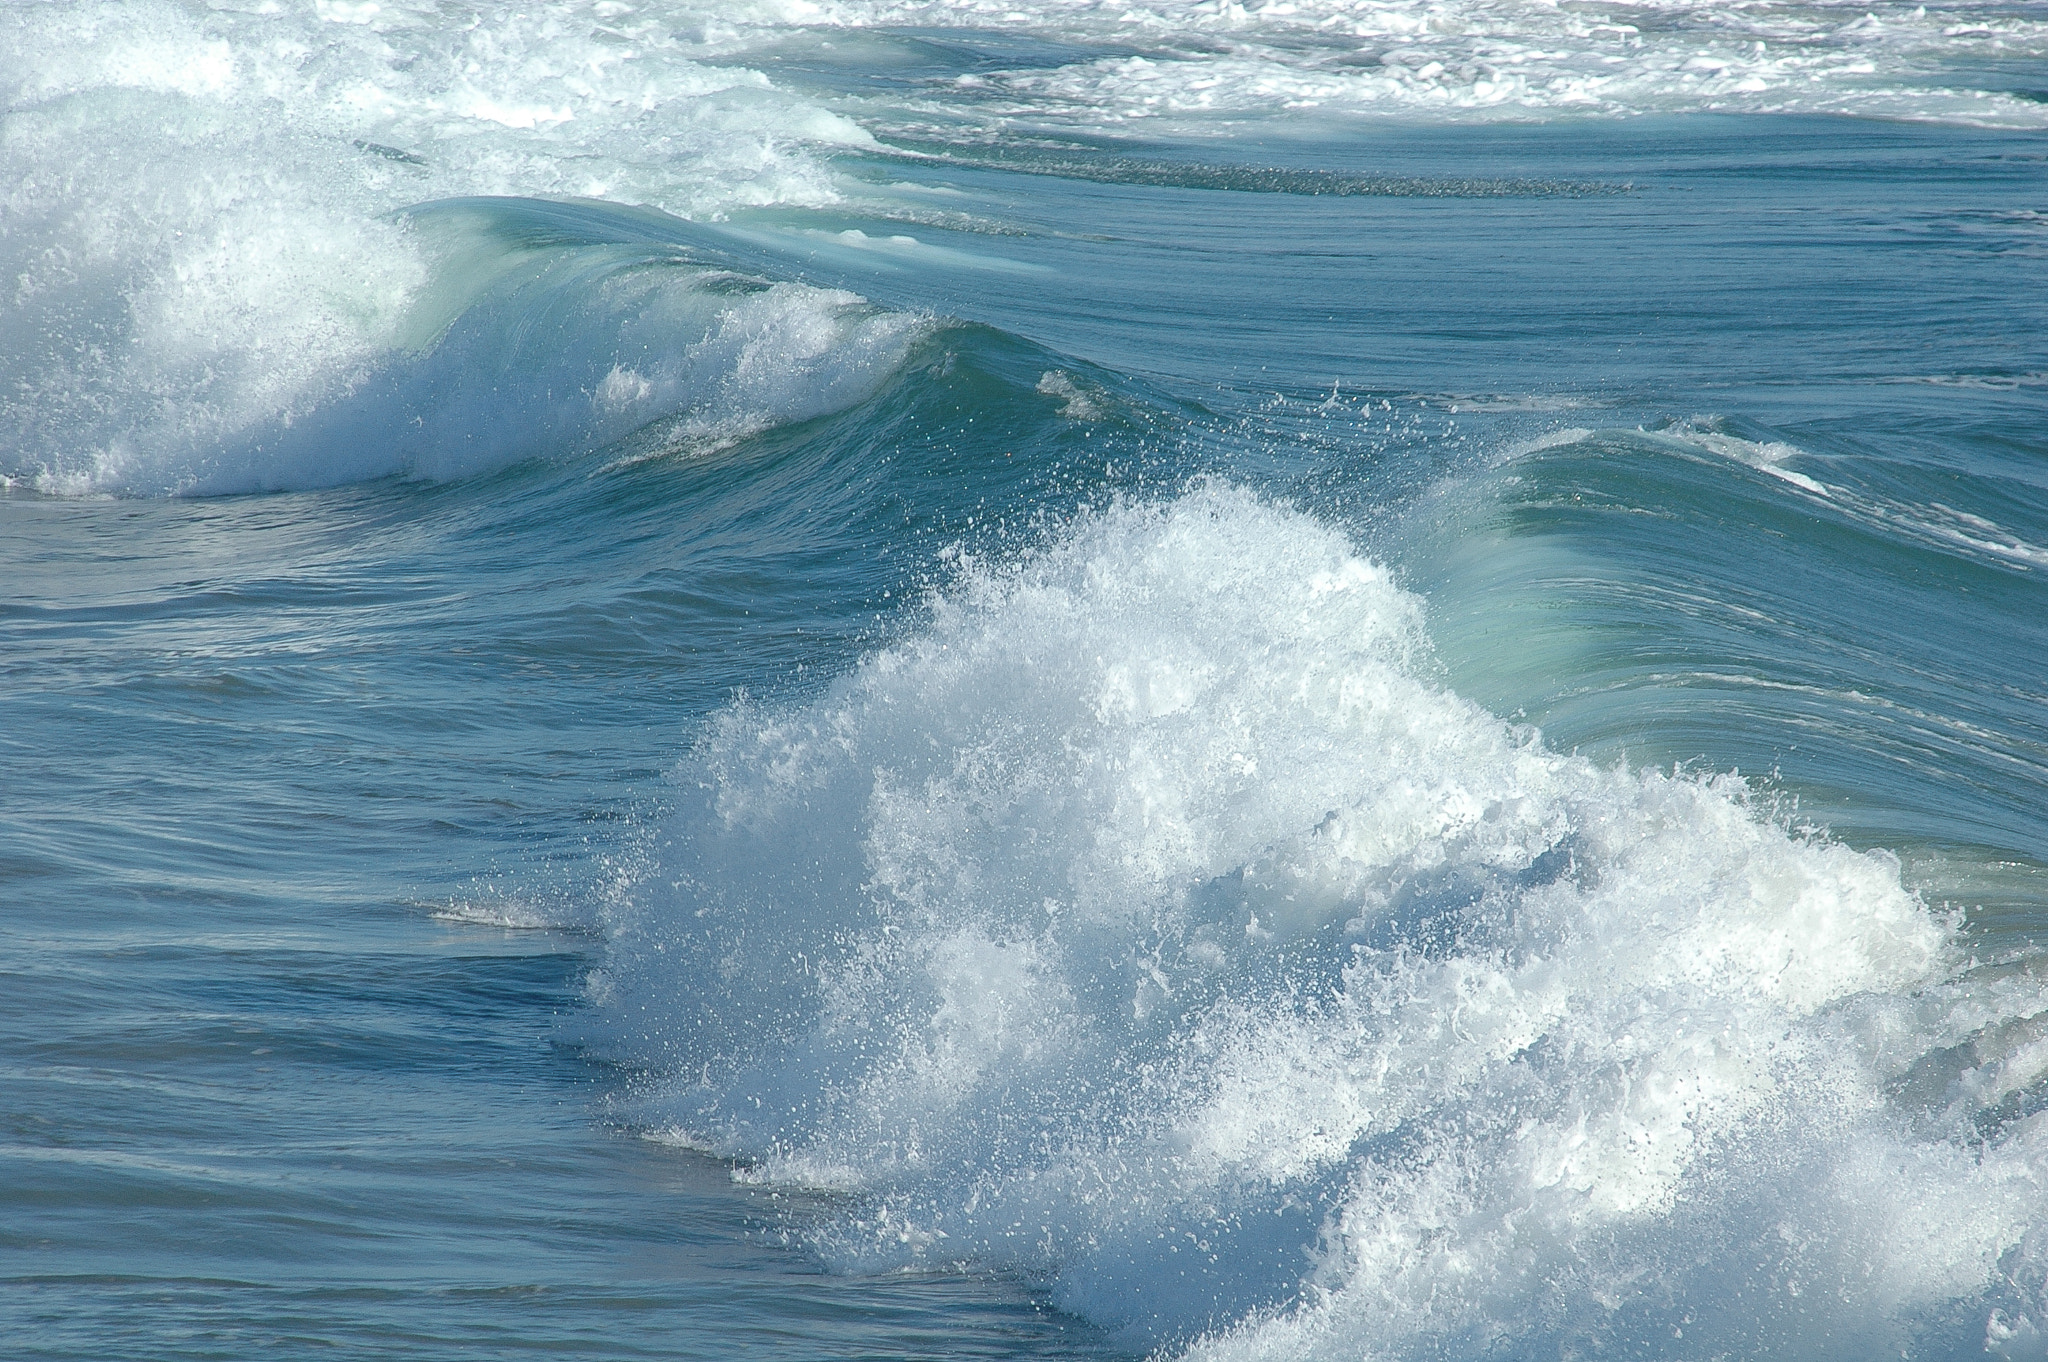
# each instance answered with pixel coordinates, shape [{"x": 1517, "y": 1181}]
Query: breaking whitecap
[{"x": 1152, "y": 919}]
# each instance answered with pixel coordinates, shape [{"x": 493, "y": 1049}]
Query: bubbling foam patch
[{"x": 1151, "y": 918}]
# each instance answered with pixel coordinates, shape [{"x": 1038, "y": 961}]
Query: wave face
[
  {"x": 1152, "y": 918},
  {"x": 1567, "y": 585},
  {"x": 521, "y": 329}
]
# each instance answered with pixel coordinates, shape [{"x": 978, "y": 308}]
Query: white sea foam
[
  {"x": 573, "y": 353},
  {"x": 1185, "y": 61},
  {"x": 1150, "y": 918},
  {"x": 196, "y": 203}
]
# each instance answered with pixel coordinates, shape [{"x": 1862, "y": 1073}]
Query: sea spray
[{"x": 1152, "y": 918}]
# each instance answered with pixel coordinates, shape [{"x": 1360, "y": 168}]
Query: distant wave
[
  {"x": 1106, "y": 65},
  {"x": 198, "y": 222},
  {"x": 1150, "y": 918},
  {"x": 211, "y": 285},
  {"x": 503, "y": 330}
]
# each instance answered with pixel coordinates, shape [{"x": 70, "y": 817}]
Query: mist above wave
[{"x": 1150, "y": 918}]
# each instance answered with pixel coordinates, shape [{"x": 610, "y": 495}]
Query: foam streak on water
[
  {"x": 200, "y": 228},
  {"x": 1187, "y": 61},
  {"x": 1152, "y": 919}
]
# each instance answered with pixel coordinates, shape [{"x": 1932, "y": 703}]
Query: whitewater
[{"x": 1341, "y": 679}]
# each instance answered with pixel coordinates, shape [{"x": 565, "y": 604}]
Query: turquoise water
[{"x": 906, "y": 682}]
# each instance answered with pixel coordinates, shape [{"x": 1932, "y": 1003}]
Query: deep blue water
[{"x": 828, "y": 776}]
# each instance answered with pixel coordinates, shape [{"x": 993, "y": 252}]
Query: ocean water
[{"x": 1346, "y": 679}]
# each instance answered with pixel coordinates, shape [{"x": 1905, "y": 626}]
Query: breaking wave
[{"x": 1153, "y": 919}]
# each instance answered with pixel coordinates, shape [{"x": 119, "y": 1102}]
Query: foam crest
[
  {"x": 538, "y": 353},
  {"x": 1151, "y": 918}
]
